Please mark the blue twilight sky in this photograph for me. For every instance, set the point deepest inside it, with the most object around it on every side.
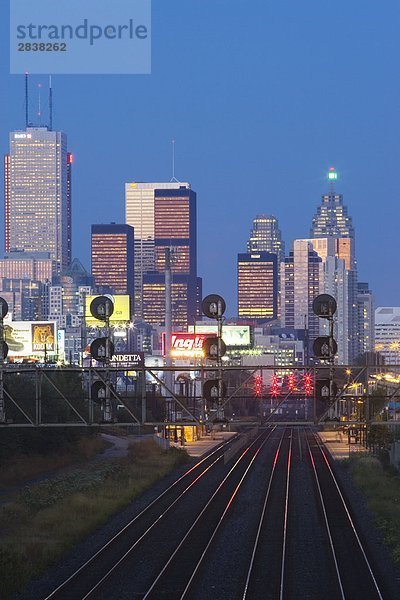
(261, 98)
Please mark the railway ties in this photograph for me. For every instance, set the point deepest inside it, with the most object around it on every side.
(184, 569)
(354, 573)
(92, 575)
(271, 523)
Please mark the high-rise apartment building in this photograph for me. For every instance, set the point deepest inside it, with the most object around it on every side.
(301, 281)
(257, 286)
(38, 194)
(163, 216)
(266, 236)
(113, 259)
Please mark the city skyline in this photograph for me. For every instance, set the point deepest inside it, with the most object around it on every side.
(303, 138)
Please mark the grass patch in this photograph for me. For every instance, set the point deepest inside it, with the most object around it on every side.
(382, 489)
(24, 468)
(49, 518)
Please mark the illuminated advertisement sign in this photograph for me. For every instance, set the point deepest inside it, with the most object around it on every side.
(186, 345)
(121, 310)
(30, 338)
(128, 360)
(43, 337)
(234, 336)
(61, 344)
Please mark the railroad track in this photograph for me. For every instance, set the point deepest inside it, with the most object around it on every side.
(169, 551)
(99, 566)
(180, 573)
(266, 571)
(355, 576)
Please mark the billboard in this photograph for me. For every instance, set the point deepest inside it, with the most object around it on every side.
(121, 310)
(234, 336)
(125, 361)
(31, 338)
(185, 345)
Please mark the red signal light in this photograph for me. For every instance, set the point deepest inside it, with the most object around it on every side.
(274, 386)
(291, 382)
(308, 384)
(258, 386)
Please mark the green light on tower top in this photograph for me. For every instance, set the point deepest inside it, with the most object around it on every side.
(332, 175)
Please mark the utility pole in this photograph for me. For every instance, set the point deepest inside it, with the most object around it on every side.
(168, 329)
(3, 354)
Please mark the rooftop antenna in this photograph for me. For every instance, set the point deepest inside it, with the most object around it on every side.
(173, 179)
(50, 105)
(39, 114)
(26, 100)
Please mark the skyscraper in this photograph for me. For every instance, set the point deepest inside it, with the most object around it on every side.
(38, 194)
(366, 319)
(333, 235)
(257, 286)
(266, 236)
(301, 280)
(70, 160)
(164, 215)
(140, 214)
(113, 259)
(332, 221)
(337, 281)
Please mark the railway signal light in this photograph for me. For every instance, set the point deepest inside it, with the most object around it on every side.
(324, 306)
(98, 349)
(258, 386)
(308, 384)
(210, 348)
(211, 390)
(325, 347)
(102, 308)
(213, 306)
(325, 389)
(291, 382)
(274, 386)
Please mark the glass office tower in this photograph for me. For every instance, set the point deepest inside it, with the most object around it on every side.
(38, 194)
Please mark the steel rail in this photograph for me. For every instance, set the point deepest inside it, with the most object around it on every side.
(328, 529)
(118, 535)
(261, 521)
(286, 517)
(351, 522)
(200, 516)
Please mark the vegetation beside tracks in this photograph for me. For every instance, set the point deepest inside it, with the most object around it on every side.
(47, 519)
(381, 486)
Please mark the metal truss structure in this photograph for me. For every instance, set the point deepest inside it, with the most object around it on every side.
(51, 396)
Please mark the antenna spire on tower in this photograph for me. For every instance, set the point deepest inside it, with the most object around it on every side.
(39, 114)
(173, 178)
(26, 100)
(50, 105)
